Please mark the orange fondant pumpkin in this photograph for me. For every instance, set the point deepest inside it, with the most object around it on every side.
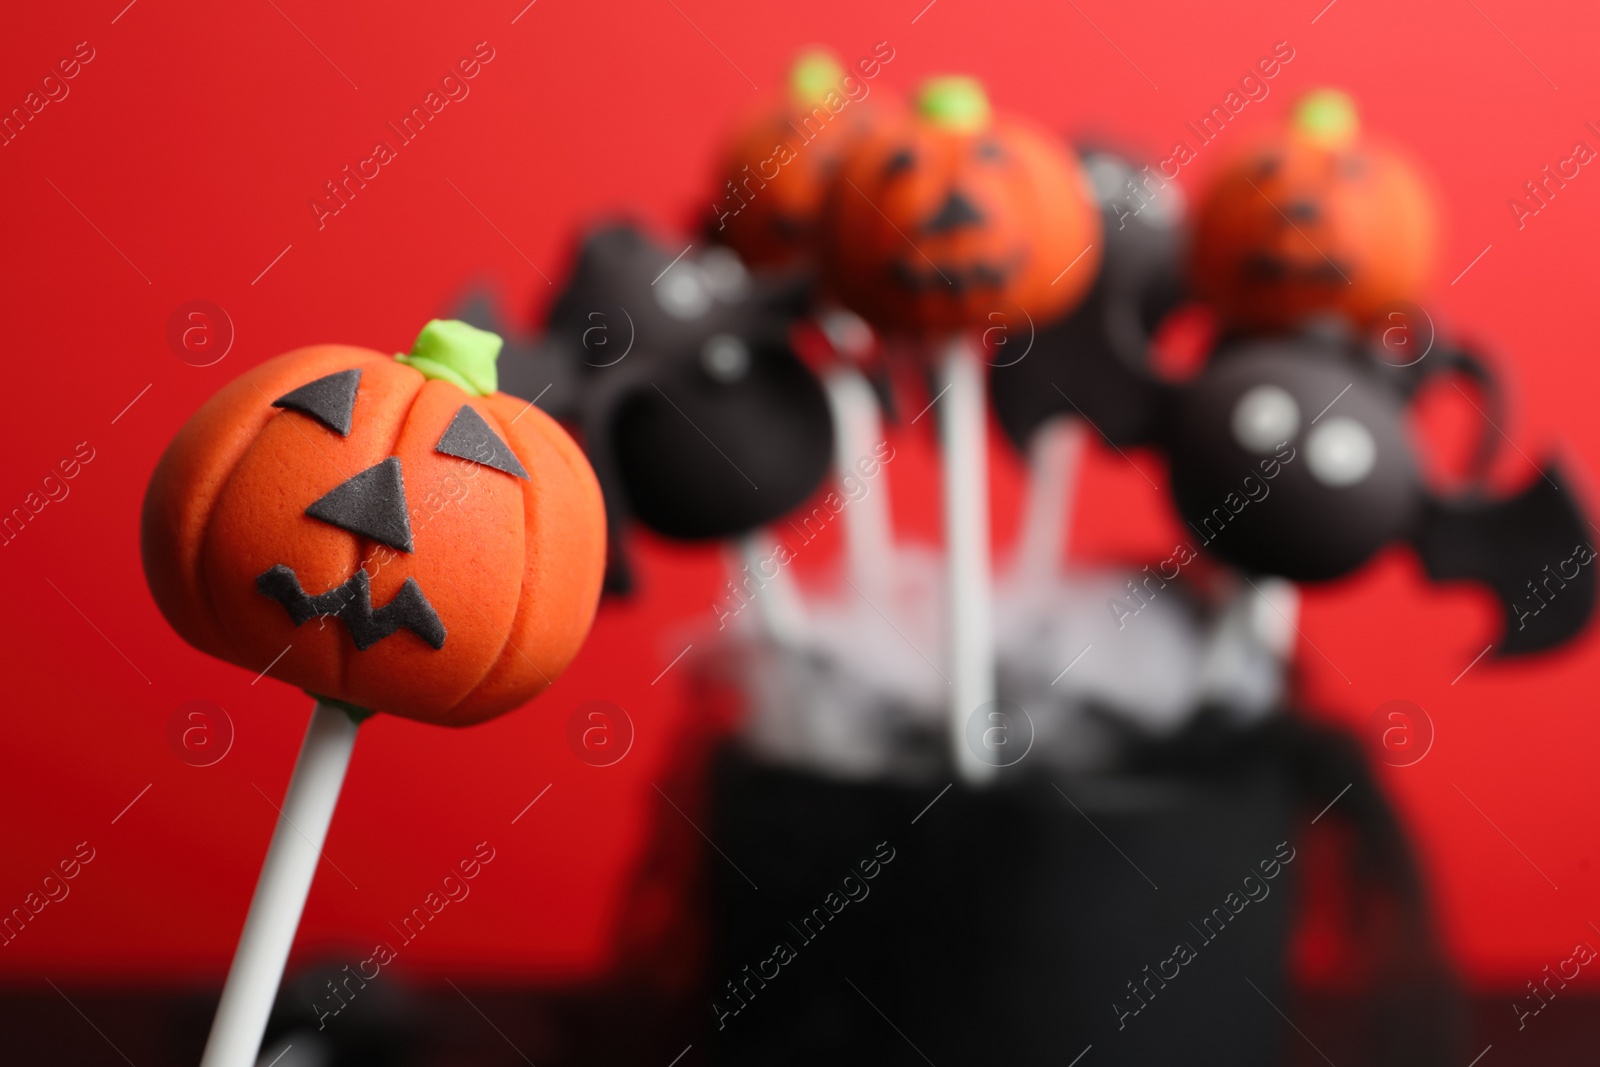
(952, 215)
(1317, 221)
(778, 163)
(388, 532)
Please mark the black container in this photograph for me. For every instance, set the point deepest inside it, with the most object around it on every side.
(1017, 924)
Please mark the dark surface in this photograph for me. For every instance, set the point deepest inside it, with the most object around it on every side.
(557, 1028)
(998, 926)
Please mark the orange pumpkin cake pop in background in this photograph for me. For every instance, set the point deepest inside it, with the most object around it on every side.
(1316, 220)
(780, 157)
(953, 212)
(409, 539)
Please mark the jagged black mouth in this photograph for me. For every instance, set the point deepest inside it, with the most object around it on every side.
(352, 602)
(949, 278)
(1264, 268)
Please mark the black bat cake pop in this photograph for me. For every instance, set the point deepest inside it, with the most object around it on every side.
(699, 418)
(627, 292)
(1087, 362)
(1290, 456)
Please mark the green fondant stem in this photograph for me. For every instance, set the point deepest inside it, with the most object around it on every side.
(462, 355)
(1327, 115)
(956, 102)
(815, 73)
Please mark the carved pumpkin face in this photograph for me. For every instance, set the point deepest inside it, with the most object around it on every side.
(1317, 221)
(777, 165)
(390, 533)
(951, 215)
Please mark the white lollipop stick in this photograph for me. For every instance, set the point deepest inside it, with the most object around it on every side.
(1257, 626)
(966, 530)
(777, 601)
(857, 432)
(1053, 457)
(281, 890)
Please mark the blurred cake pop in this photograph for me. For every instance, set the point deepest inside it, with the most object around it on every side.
(700, 420)
(948, 220)
(953, 214)
(1291, 457)
(1090, 362)
(714, 443)
(778, 161)
(1317, 220)
(776, 167)
(1087, 365)
(628, 294)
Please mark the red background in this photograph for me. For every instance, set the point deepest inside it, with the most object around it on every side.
(194, 140)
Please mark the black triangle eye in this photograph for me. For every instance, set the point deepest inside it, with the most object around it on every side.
(468, 437)
(330, 400)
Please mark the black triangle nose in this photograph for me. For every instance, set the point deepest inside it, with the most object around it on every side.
(1304, 211)
(372, 504)
(956, 211)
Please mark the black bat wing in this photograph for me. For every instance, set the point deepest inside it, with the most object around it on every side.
(1532, 549)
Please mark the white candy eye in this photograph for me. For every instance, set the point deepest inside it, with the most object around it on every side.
(725, 358)
(1341, 452)
(681, 292)
(724, 275)
(1106, 175)
(1264, 418)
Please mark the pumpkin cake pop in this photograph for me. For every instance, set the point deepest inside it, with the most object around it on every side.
(955, 212)
(447, 539)
(1317, 220)
(952, 219)
(779, 160)
(333, 479)
(776, 167)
